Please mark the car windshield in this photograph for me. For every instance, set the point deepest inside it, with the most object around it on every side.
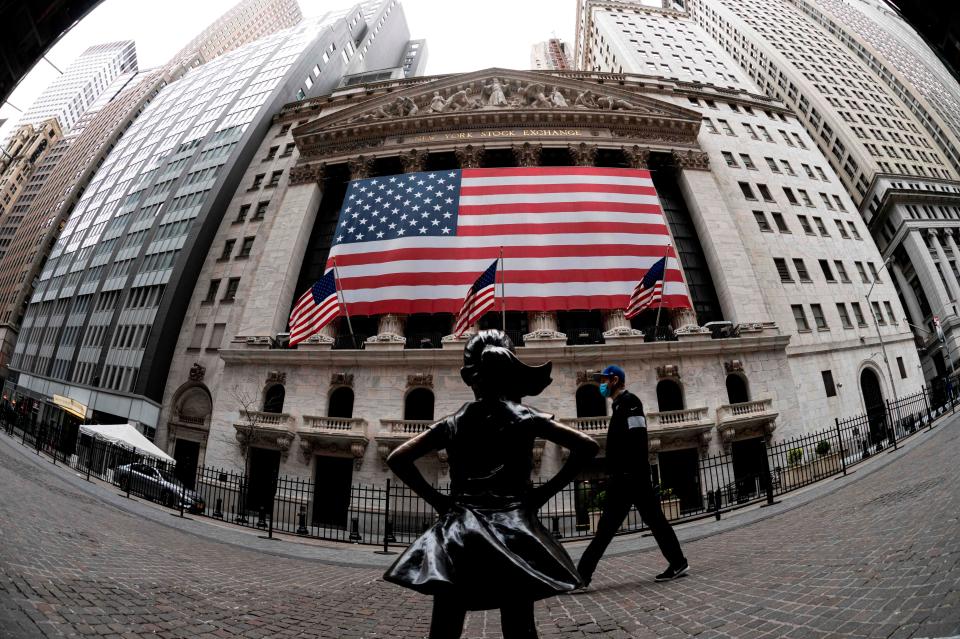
(166, 475)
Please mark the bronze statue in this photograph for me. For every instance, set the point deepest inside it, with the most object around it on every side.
(488, 549)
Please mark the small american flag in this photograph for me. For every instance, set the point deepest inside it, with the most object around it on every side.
(315, 309)
(572, 238)
(648, 291)
(479, 298)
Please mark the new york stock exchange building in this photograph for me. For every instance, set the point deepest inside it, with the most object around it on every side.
(777, 262)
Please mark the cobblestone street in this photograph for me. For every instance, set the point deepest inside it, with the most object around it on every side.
(879, 557)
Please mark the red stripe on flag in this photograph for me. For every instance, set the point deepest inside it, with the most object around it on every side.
(506, 189)
(508, 277)
(490, 252)
(555, 170)
(554, 228)
(557, 303)
(559, 207)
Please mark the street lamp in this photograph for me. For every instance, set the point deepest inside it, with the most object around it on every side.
(876, 325)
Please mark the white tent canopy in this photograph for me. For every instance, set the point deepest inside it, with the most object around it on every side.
(125, 435)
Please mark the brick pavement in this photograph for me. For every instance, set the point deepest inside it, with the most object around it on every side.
(877, 557)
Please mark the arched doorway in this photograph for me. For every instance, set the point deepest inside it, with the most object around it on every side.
(193, 407)
(418, 404)
(873, 403)
(669, 395)
(590, 403)
(341, 402)
(737, 392)
(273, 399)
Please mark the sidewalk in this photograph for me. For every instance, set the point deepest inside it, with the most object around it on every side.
(352, 555)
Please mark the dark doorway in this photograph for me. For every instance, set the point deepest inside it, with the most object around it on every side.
(418, 404)
(341, 402)
(737, 389)
(747, 468)
(873, 402)
(273, 399)
(187, 454)
(669, 395)
(264, 467)
(680, 472)
(590, 403)
(331, 491)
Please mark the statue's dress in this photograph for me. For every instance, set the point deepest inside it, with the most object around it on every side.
(489, 549)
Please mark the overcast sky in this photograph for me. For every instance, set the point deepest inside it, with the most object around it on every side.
(461, 35)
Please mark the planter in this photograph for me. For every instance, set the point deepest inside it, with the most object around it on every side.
(671, 508)
(594, 519)
(800, 474)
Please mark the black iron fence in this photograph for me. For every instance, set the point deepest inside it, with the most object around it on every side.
(392, 513)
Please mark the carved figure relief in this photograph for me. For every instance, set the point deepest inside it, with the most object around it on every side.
(197, 373)
(496, 96)
(557, 98)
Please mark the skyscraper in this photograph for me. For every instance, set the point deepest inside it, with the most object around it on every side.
(551, 55)
(109, 302)
(884, 114)
(58, 183)
(67, 97)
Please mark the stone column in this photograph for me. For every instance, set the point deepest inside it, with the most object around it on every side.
(543, 329)
(527, 154)
(583, 154)
(361, 167)
(616, 326)
(909, 297)
(413, 160)
(952, 286)
(637, 156)
(469, 156)
(952, 244)
(272, 287)
(389, 333)
(739, 289)
(926, 271)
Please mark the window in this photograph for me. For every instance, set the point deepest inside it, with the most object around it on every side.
(212, 291)
(772, 164)
(782, 269)
(862, 272)
(877, 313)
(844, 316)
(903, 369)
(747, 162)
(780, 222)
(274, 179)
(227, 250)
(818, 317)
(261, 210)
(841, 271)
(820, 227)
(842, 229)
(231, 293)
(802, 272)
(288, 149)
(729, 159)
(196, 340)
(762, 221)
(827, 273)
(787, 167)
(857, 313)
(801, 318)
(272, 153)
(750, 131)
(853, 230)
(283, 130)
(873, 272)
(726, 127)
(805, 223)
(710, 126)
(242, 214)
(747, 191)
(828, 385)
(257, 181)
(245, 248)
(889, 308)
(216, 337)
(790, 196)
(765, 192)
(805, 197)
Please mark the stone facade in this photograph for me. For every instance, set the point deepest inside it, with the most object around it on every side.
(603, 118)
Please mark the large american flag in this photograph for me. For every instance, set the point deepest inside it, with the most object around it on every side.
(314, 309)
(572, 238)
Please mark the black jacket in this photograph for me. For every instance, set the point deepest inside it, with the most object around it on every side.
(627, 448)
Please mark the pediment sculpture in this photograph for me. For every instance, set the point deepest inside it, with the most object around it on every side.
(497, 93)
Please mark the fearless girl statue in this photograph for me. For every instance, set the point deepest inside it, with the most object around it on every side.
(488, 549)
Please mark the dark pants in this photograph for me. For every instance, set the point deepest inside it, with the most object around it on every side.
(622, 492)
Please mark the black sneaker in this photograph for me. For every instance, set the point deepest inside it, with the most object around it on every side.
(673, 572)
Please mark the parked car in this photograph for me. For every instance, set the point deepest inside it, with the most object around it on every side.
(157, 485)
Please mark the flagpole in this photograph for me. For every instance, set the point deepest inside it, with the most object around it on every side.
(503, 299)
(663, 291)
(343, 302)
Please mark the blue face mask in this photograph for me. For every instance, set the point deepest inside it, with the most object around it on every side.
(605, 389)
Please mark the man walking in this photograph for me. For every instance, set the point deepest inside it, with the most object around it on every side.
(629, 481)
